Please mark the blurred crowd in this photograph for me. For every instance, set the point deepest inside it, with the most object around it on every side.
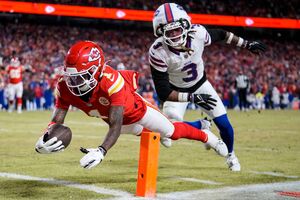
(42, 48)
(265, 8)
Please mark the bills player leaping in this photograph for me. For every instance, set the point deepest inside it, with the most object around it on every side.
(15, 84)
(178, 71)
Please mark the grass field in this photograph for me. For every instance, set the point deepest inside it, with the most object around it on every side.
(266, 142)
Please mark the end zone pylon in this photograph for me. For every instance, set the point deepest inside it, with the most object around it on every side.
(148, 164)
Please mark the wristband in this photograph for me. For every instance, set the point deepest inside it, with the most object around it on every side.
(183, 97)
(103, 150)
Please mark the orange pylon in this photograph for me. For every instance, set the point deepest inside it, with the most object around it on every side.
(148, 164)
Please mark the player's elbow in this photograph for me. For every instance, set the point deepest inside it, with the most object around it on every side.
(163, 95)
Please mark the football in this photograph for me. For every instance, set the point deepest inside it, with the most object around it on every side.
(60, 131)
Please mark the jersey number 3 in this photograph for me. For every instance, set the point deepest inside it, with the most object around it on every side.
(191, 71)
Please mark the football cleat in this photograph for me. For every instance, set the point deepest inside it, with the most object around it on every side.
(233, 162)
(206, 124)
(217, 144)
(166, 142)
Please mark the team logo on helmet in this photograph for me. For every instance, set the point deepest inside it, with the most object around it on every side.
(94, 54)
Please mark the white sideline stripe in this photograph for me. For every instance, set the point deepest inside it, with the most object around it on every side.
(91, 188)
(197, 180)
(274, 174)
(255, 191)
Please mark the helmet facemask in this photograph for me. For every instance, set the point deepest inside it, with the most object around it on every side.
(80, 83)
(175, 33)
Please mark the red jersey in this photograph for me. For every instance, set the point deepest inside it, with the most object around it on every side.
(15, 74)
(115, 88)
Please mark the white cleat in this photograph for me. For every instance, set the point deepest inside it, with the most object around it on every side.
(217, 144)
(166, 142)
(233, 162)
(205, 123)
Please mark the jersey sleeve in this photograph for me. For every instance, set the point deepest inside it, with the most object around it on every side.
(60, 102)
(114, 85)
(156, 59)
(202, 34)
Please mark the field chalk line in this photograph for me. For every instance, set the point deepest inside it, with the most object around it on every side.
(87, 187)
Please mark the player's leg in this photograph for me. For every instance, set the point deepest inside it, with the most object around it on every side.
(155, 121)
(174, 110)
(220, 118)
(11, 97)
(19, 94)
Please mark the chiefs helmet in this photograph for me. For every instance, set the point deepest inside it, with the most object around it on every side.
(15, 62)
(83, 68)
(173, 23)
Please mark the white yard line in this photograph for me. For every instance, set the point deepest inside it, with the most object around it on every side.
(255, 191)
(87, 187)
(196, 180)
(274, 174)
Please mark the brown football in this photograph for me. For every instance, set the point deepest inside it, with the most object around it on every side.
(60, 131)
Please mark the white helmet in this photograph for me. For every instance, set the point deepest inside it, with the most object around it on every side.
(173, 23)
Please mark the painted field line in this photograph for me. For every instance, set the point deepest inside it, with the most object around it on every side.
(274, 174)
(70, 184)
(254, 191)
(196, 180)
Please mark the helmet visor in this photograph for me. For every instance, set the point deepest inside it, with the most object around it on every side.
(82, 82)
(174, 34)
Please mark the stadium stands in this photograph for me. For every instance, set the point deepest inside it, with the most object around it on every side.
(43, 48)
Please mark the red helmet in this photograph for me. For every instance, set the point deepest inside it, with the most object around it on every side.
(84, 65)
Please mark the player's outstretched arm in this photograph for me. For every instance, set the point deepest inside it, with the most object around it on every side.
(94, 156)
(217, 35)
(53, 145)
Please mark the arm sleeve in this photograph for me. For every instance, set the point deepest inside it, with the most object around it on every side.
(217, 34)
(161, 82)
(60, 102)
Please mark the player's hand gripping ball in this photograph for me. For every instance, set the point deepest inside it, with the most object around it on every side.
(55, 139)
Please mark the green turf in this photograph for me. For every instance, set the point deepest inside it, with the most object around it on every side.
(269, 141)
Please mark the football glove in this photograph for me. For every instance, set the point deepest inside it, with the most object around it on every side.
(203, 100)
(256, 47)
(50, 146)
(92, 158)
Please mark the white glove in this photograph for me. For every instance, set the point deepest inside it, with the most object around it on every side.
(92, 158)
(50, 146)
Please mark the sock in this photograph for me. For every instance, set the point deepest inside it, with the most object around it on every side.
(197, 124)
(183, 130)
(226, 131)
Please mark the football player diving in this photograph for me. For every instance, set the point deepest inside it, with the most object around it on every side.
(178, 70)
(92, 86)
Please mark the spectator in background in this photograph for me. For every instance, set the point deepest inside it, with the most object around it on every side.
(259, 98)
(284, 99)
(38, 94)
(242, 85)
(276, 98)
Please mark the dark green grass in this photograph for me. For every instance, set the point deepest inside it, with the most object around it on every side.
(264, 142)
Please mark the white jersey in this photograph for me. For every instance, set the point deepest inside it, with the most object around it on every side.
(184, 69)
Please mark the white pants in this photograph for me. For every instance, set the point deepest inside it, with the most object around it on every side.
(15, 90)
(153, 120)
(176, 110)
